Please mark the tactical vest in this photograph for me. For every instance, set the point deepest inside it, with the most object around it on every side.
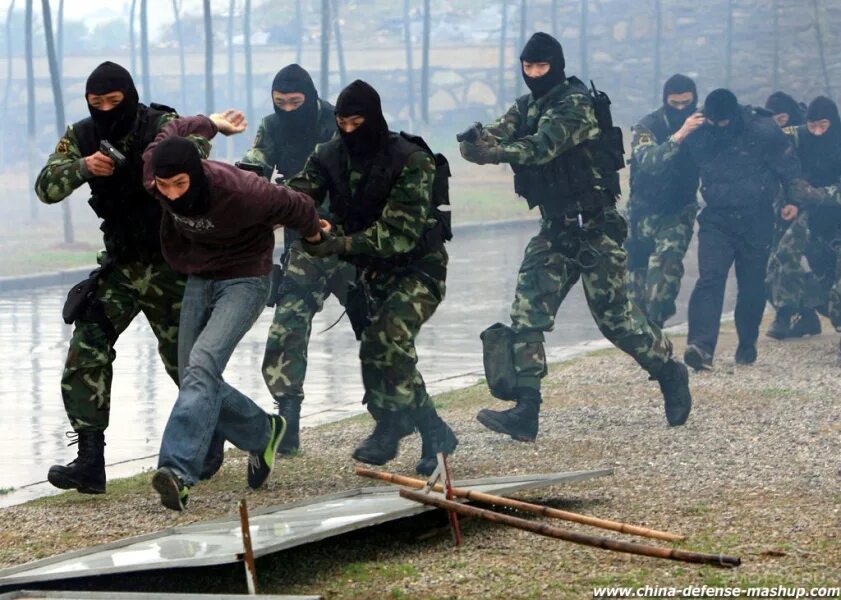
(358, 211)
(673, 189)
(568, 183)
(291, 153)
(820, 168)
(131, 218)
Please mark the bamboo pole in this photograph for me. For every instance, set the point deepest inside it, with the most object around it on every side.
(572, 536)
(526, 507)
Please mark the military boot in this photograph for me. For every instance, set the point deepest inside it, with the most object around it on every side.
(87, 473)
(289, 407)
(806, 322)
(383, 443)
(674, 384)
(436, 436)
(520, 422)
(780, 328)
(745, 354)
(697, 358)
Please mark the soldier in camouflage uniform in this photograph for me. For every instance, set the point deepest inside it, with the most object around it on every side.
(134, 277)
(565, 161)
(663, 205)
(815, 232)
(380, 186)
(284, 141)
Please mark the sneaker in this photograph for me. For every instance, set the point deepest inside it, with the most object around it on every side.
(697, 358)
(746, 354)
(260, 464)
(174, 494)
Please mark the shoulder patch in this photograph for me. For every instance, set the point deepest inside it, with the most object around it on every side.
(790, 130)
(63, 146)
(645, 138)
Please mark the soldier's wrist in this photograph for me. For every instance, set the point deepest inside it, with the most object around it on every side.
(84, 173)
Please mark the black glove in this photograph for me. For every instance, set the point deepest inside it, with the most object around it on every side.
(328, 245)
(481, 153)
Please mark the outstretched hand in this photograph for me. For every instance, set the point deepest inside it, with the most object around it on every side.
(230, 122)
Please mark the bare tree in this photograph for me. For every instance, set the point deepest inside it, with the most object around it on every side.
(503, 42)
(131, 43)
(325, 49)
(60, 39)
(179, 32)
(775, 61)
(7, 92)
(208, 57)
(249, 76)
(554, 17)
(340, 50)
(658, 41)
(410, 68)
(231, 100)
(58, 100)
(728, 46)
(584, 34)
(299, 30)
(30, 110)
(821, 51)
(144, 49)
(427, 26)
(522, 38)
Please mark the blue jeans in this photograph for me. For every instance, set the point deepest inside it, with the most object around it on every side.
(215, 315)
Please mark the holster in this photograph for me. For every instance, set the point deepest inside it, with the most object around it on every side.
(275, 285)
(82, 303)
(498, 358)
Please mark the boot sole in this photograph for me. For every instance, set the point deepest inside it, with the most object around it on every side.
(493, 424)
(369, 461)
(168, 491)
(63, 482)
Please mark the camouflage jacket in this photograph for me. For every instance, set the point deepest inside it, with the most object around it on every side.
(407, 213)
(559, 124)
(273, 150)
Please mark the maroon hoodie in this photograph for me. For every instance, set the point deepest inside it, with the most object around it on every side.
(235, 236)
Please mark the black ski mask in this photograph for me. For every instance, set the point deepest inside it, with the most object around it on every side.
(542, 47)
(823, 108)
(116, 123)
(177, 155)
(722, 105)
(780, 102)
(679, 84)
(295, 79)
(361, 99)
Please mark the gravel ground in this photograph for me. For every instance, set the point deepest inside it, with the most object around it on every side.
(754, 473)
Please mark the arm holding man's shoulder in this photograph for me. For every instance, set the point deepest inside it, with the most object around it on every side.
(278, 205)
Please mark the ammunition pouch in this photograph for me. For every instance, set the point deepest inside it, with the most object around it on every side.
(498, 358)
(82, 304)
(275, 281)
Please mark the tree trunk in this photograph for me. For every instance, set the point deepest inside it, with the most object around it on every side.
(821, 51)
(7, 92)
(182, 67)
(58, 100)
(410, 68)
(324, 75)
(775, 61)
(522, 38)
(60, 40)
(340, 50)
(658, 41)
(144, 50)
(554, 17)
(299, 28)
(30, 112)
(131, 45)
(584, 49)
(425, 91)
(231, 100)
(249, 77)
(728, 46)
(208, 58)
(503, 42)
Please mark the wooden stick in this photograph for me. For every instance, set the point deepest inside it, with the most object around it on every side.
(248, 555)
(526, 506)
(572, 536)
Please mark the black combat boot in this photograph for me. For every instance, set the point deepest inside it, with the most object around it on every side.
(289, 407)
(806, 322)
(745, 354)
(436, 436)
(674, 383)
(780, 328)
(87, 473)
(519, 422)
(382, 445)
(697, 359)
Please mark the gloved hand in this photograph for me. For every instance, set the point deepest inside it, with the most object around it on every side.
(481, 153)
(329, 245)
(800, 191)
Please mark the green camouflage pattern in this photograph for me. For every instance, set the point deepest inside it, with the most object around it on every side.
(401, 301)
(560, 124)
(656, 249)
(651, 157)
(124, 291)
(307, 283)
(548, 272)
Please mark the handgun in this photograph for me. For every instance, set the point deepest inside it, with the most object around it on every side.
(253, 167)
(471, 135)
(108, 149)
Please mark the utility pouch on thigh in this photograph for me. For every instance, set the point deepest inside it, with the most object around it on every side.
(80, 297)
(357, 308)
(274, 285)
(498, 358)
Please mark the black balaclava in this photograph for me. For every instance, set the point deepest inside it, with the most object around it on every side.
(821, 154)
(116, 123)
(295, 79)
(542, 47)
(361, 99)
(176, 155)
(679, 84)
(780, 102)
(722, 105)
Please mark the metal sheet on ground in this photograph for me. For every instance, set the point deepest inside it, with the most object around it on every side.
(272, 529)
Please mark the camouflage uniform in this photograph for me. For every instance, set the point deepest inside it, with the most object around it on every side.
(662, 209)
(581, 242)
(307, 280)
(126, 288)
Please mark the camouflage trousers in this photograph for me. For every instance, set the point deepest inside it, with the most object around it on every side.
(124, 291)
(307, 282)
(555, 259)
(656, 249)
(400, 302)
(791, 284)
